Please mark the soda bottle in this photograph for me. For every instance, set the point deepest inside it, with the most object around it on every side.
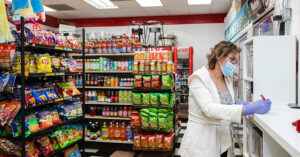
(117, 131)
(111, 112)
(120, 112)
(128, 133)
(129, 111)
(115, 112)
(129, 97)
(123, 132)
(125, 112)
(111, 131)
(93, 132)
(104, 131)
(116, 97)
(97, 125)
(121, 99)
(88, 129)
(103, 111)
(125, 96)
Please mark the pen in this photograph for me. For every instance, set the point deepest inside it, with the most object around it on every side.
(263, 97)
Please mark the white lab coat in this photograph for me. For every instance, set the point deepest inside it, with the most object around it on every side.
(208, 133)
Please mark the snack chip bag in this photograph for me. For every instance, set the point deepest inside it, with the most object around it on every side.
(147, 111)
(159, 141)
(153, 123)
(153, 110)
(6, 112)
(17, 66)
(144, 141)
(45, 119)
(137, 140)
(135, 120)
(145, 122)
(151, 141)
(64, 65)
(69, 89)
(137, 98)
(163, 124)
(10, 83)
(72, 64)
(172, 99)
(55, 64)
(16, 128)
(55, 117)
(29, 98)
(4, 78)
(72, 152)
(138, 81)
(154, 99)
(30, 149)
(15, 111)
(147, 81)
(31, 124)
(164, 99)
(32, 64)
(162, 111)
(38, 93)
(168, 142)
(170, 120)
(46, 145)
(54, 143)
(146, 99)
(78, 108)
(61, 138)
(156, 84)
(166, 82)
(43, 62)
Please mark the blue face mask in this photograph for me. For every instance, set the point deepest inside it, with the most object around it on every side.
(228, 69)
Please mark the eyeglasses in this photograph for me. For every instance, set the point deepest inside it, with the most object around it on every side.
(233, 60)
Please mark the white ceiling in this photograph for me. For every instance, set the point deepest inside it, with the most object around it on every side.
(133, 9)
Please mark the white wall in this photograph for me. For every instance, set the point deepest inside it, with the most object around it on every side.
(201, 36)
(295, 24)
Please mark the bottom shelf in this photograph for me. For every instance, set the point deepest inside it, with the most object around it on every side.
(153, 149)
(64, 149)
(100, 140)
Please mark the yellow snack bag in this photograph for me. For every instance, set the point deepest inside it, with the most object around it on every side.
(32, 64)
(17, 65)
(43, 63)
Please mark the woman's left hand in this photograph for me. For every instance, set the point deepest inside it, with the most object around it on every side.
(241, 102)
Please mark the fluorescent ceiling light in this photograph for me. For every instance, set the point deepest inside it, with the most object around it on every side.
(46, 9)
(101, 4)
(199, 2)
(150, 3)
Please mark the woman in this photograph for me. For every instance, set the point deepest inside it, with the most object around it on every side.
(211, 108)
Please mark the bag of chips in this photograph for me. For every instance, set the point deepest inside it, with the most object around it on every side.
(72, 152)
(135, 120)
(16, 128)
(30, 149)
(137, 98)
(54, 142)
(45, 119)
(168, 142)
(146, 99)
(55, 64)
(38, 93)
(159, 141)
(151, 141)
(64, 65)
(163, 124)
(166, 82)
(17, 66)
(31, 124)
(32, 64)
(137, 141)
(138, 81)
(29, 98)
(3, 81)
(6, 112)
(144, 141)
(147, 81)
(153, 110)
(15, 111)
(46, 145)
(164, 99)
(55, 117)
(153, 123)
(172, 100)
(146, 111)
(10, 83)
(145, 122)
(43, 62)
(72, 64)
(61, 138)
(77, 105)
(69, 89)
(156, 84)
(154, 99)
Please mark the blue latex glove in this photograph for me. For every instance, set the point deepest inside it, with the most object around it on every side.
(241, 102)
(259, 107)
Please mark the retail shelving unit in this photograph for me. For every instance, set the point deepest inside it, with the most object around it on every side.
(44, 48)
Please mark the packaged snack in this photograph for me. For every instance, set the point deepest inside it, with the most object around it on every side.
(15, 111)
(170, 119)
(153, 123)
(55, 64)
(5, 114)
(61, 138)
(68, 111)
(147, 81)
(54, 143)
(72, 65)
(72, 152)
(46, 145)
(135, 120)
(45, 119)
(146, 99)
(151, 141)
(137, 98)
(168, 142)
(166, 82)
(145, 111)
(78, 108)
(144, 141)
(137, 140)
(17, 66)
(43, 62)
(64, 65)
(6, 145)
(154, 99)
(145, 122)
(153, 110)
(172, 99)
(164, 99)
(30, 150)
(29, 98)
(138, 81)
(159, 141)
(38, 93)
(163, 124)
(69, 89)
(156, 84)
(31, 124)
(32, 64)
(10, 83)
(55, 117)
(16, 128)
(3, 81)
(162, 111)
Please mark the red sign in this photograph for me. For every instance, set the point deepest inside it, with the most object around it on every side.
(159, 49)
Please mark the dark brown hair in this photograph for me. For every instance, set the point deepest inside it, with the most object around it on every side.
(222, 49)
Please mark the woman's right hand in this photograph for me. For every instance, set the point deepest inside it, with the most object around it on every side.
(259, 107)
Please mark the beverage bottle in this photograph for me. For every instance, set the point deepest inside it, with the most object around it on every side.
(104, 132)
(93, 132)
(129, 111)
(117, 131)
(117, 81)
(116, 97)
(108, 81)
(129, 97)
(95, 96)
(112, 97)
(125, 112)
(121, 100)
(111, 111)
(121, 83)
(129, 47)
(104, 81)
(108, 97)
(89, 96)
(112, 80)
(99, 111)
(115, 112)
(86, 98)
(98, 129)
(88, 129)
(120, 112)
(92, 111)
(105, 96)
(111, 131)
(128, 133)
(103, 111)
(125, 97)
(123, 132)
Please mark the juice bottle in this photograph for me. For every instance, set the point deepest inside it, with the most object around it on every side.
(120, 112)
(125, 97)
(111, 112)
(117, 131)
(111, 131)
(128, 132)
(129, 97)
(115, 112)
(104, 49)
(104, 131)
(124, 48)
(121, 98)
(125, 112)
(123, 132)
(129, 47)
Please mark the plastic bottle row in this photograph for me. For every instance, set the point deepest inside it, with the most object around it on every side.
(121, 96)
(153, 67)
(105, 64)
(104, 81)
(113, 131)
(107, 111)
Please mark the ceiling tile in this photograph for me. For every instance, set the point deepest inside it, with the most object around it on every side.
(94, 13)
(135, 11)
(220, 6)
(156, 11)
(174, 3)
(126, 4)
(199, 9)
(115, 13)
(177, 10)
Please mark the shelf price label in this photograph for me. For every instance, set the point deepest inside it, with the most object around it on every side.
(67, 98)
(59, 74)
(58, 48)
(68, 49)
(59, 99)
(50, 74)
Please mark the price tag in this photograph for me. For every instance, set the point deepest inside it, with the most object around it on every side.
(68, 49)
(59, 74)
(50, 74)
(58, 48)
(67, 98)
(59, 99)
